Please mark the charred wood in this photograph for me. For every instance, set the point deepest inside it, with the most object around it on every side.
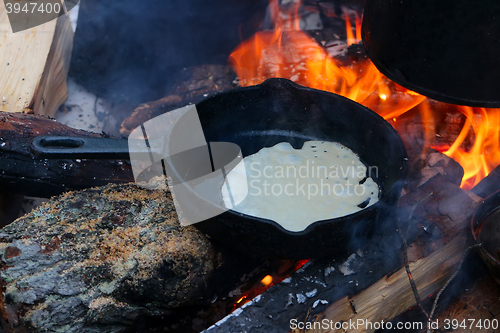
(436, 220)
(431, 163)
(195, 83)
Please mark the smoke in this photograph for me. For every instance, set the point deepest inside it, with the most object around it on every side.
(131, 51)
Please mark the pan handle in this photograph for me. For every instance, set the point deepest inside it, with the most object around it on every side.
(52, 147)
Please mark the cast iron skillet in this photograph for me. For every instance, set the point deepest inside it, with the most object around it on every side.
(279, 110)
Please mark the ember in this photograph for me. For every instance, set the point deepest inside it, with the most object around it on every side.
(267, 282)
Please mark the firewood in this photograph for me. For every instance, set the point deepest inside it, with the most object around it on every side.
(430, 163)
(436, 220)
(392, 295)
(147, 111)
(22, 172)
(99, 259)
(34, 66)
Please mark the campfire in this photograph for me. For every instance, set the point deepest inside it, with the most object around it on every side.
(126, 266)
(289, 52)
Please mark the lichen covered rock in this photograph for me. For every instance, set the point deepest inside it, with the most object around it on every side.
(98, 259)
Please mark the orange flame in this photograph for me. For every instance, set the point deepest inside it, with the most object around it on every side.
(267, 280)
(484, 155)
(288, 52)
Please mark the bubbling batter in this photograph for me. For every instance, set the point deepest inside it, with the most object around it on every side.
(296, 187)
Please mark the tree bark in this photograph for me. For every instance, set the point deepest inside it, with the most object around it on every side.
(99, 259)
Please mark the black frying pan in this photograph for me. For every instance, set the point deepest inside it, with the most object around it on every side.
(279, 110)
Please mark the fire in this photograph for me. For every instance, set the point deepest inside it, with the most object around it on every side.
(484, 155)
(288, 52)
(267, 280)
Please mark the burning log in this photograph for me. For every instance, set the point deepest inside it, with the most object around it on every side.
(434, 214)
(431, 163)
(22, 172)
(98, 259)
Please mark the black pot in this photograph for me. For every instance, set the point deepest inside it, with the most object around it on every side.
(447, 50)
(279, 110)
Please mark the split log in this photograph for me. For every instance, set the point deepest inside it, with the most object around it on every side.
(34, 66)
(24, 173)
(99, 259)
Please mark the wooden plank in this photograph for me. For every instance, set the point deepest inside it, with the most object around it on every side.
(33, 65)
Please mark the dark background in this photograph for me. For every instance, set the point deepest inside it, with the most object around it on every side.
(130, 51)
